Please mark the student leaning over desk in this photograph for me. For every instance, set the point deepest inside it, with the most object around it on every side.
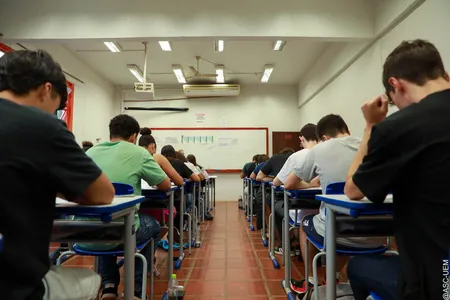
(329, 160)
(32, 88)
(125, 162)
(308, 139)
(407, 153)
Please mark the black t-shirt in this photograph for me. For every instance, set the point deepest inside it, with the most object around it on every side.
(182, 170)
(409, 153)
(38, 158)
(248, 169)
(275, 164)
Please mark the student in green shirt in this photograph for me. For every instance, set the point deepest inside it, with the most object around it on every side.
(125, 162)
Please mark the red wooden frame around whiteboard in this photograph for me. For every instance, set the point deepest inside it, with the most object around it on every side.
(220, 128)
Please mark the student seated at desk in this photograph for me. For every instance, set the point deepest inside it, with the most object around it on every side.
(262, 159)
(125, 162)
(407, 153)
(190, 165)
(147, 141)
(308, 139)
(330, 161)
(169, 152)
(249, 167)
(274, 165)
(192, 160)
(39, 159)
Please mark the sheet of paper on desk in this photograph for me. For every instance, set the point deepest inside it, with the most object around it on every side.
(146, 186)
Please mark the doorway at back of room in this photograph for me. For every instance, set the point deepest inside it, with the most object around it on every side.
(285, 139)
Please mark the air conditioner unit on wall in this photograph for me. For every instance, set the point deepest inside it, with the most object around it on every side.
(210, 90)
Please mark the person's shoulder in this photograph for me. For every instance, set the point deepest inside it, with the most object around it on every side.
(38, 119)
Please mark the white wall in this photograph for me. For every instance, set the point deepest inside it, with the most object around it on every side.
(257, 106)
(362, 80)
(95, 102)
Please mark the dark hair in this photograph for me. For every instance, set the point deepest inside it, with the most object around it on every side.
(309, 132)
(262, 158)
(287, 151)
(24, 71)
(169, 151)
(123, 126)
(181, 157)
(86, 145)
(331, 125)
(146, 138)
(415, 61)
(191, 158)
(255, 157)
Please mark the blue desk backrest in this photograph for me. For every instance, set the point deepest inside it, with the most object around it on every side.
(1, 242)
(336, 188)
(122, 189)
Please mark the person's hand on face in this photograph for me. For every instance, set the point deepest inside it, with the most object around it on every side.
(375, 110)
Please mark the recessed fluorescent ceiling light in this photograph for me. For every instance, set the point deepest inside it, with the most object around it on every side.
(165, 45)
(219, 45)
(114, 47)
(267, 72)
(136, 72)
(220, 74)
(279, 45)
(178, 70)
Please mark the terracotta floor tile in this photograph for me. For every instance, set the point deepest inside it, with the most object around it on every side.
(243, 275)
(217, 263)
(275, 288)
(209, 288)
(273, 274)
(208, 274)
(246, 288)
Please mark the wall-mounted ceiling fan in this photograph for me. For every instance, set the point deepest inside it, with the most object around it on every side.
(196, 71)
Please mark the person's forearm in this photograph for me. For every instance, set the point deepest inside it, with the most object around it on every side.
(302, 185)
(267, 179)
(362, 151)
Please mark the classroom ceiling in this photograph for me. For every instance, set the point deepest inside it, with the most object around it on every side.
(248, 28)
(243, 60)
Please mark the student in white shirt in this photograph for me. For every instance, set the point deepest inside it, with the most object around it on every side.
(308, 139)
(330, 161)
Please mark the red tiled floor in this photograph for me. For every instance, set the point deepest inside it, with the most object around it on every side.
(232, 263)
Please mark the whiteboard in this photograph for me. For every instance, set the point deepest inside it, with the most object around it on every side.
(215, 148)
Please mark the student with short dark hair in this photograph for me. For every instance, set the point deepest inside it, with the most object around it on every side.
(86, 145)
(407, 153)
(329, 160)
(125, 162)
(274, 165)
(249, 167)
(32, 89)
(308, 139)
(262, 159)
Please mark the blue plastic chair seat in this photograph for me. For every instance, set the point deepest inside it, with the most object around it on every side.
(350, 250)
(114, 252)
(375, 296)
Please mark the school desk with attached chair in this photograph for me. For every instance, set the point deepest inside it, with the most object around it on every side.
(122, 206)
(363, 209)
(212, 180)
(298, 200)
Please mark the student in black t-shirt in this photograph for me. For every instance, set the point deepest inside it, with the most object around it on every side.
(274, 165)
(249, 167)
(407, 153)
(32, 88)
(169, 152)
